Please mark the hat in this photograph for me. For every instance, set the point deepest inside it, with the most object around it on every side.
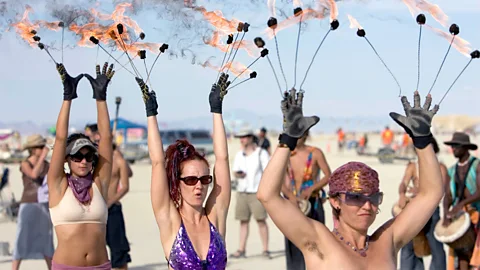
(353, 177)
(34, 141)
(462, 139)
(263, 130)
(78, 144)
(244, 133)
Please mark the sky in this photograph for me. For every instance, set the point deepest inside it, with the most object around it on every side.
(346, 80)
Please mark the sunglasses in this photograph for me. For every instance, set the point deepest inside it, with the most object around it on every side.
(78, 157)
(358, 199)
(192, 180)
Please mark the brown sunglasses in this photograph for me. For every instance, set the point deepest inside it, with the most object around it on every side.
(192, 180)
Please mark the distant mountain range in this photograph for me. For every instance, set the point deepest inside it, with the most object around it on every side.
(234, 120)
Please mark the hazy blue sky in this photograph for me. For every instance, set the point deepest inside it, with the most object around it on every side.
(346, 80)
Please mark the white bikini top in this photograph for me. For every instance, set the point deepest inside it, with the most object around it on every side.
(70, 211)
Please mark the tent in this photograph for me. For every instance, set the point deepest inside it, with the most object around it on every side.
(129, 131)
(125, 124)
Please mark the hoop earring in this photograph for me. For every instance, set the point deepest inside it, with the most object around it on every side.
(378, 211)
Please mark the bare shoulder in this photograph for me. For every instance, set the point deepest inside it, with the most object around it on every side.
(317, 152)
(384, 232)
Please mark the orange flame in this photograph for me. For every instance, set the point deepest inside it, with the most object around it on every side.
(353, 22)
(107, 34)
(459, 43)
(307, 14)
(235, 68)
(271, 8)
(24, 27)
(297, 3)
(247, 45)
(220, 23)
(332, 5)
(415, 6)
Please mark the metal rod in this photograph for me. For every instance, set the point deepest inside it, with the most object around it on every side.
(455, 81)
(441, 65)
(313, 58)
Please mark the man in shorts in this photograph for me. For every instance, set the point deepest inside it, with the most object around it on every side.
(119, 186)
(248, 167)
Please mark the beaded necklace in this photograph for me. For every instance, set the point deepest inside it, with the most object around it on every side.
(362, 252)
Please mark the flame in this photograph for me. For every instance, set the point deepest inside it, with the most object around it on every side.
(415, 6)
(307, 14)
(297, 3)
(353, 22)
(459, 43)
(220, 23)
(236, 68)
(247, 45)
(332, 5)
(108, 34)
(271, 8)
(24, 27)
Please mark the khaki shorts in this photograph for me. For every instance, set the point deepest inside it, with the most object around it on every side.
(248, 204)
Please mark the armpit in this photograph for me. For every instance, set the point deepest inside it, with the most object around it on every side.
(312, 247)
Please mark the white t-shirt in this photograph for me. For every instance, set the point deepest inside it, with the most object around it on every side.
(253, 166)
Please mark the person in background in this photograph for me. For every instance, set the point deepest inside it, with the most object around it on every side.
(263, 142)
(119, 186)
(34, 229)
(387, 137)
(340, 139)
(248, 167)
(304, 183)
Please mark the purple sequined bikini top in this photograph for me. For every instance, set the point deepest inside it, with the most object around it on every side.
(184, 257)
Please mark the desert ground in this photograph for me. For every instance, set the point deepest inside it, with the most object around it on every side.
(143, 234)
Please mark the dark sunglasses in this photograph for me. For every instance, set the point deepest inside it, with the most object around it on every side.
(192, 180)
(78, 157)
(358, 199)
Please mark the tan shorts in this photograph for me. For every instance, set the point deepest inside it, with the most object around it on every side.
(248, 204)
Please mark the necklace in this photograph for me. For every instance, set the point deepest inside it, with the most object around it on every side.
(461, 164)
(362, 252)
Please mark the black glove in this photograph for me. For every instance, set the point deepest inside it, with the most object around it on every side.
(219, 90)
(150, 98)
(295, 124)
(69, 84)
(418, 120)
(100, 83)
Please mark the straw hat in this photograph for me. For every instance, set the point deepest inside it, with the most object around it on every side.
(34, 141)
(244, 133)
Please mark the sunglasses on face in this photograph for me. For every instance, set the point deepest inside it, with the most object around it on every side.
(192, 180)
(78, 157)
(358, 199)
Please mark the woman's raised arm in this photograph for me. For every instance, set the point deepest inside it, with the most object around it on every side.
(417, 124)
(163, 206)
(56, 171)
(219, 199)
(103, 170)
(303, 230)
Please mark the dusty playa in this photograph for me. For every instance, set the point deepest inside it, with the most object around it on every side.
(142, 231)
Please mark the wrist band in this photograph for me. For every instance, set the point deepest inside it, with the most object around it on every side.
(422, 142)
(289, 141)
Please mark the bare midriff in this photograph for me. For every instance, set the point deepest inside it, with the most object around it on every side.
(81, 244)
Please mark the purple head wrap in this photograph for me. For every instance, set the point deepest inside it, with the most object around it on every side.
(353, 177)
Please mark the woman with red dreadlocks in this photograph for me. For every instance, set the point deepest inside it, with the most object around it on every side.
(355, 197)
(193, 237)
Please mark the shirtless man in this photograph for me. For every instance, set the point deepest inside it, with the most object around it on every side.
(407, 190)
(119, 186)
(306, 164)
(468, 197)
(355, 197)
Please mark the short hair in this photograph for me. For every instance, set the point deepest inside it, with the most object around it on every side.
(92, 127)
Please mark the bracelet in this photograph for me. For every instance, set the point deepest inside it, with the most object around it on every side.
(290, 142)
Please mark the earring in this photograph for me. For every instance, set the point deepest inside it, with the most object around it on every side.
(378, 211)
